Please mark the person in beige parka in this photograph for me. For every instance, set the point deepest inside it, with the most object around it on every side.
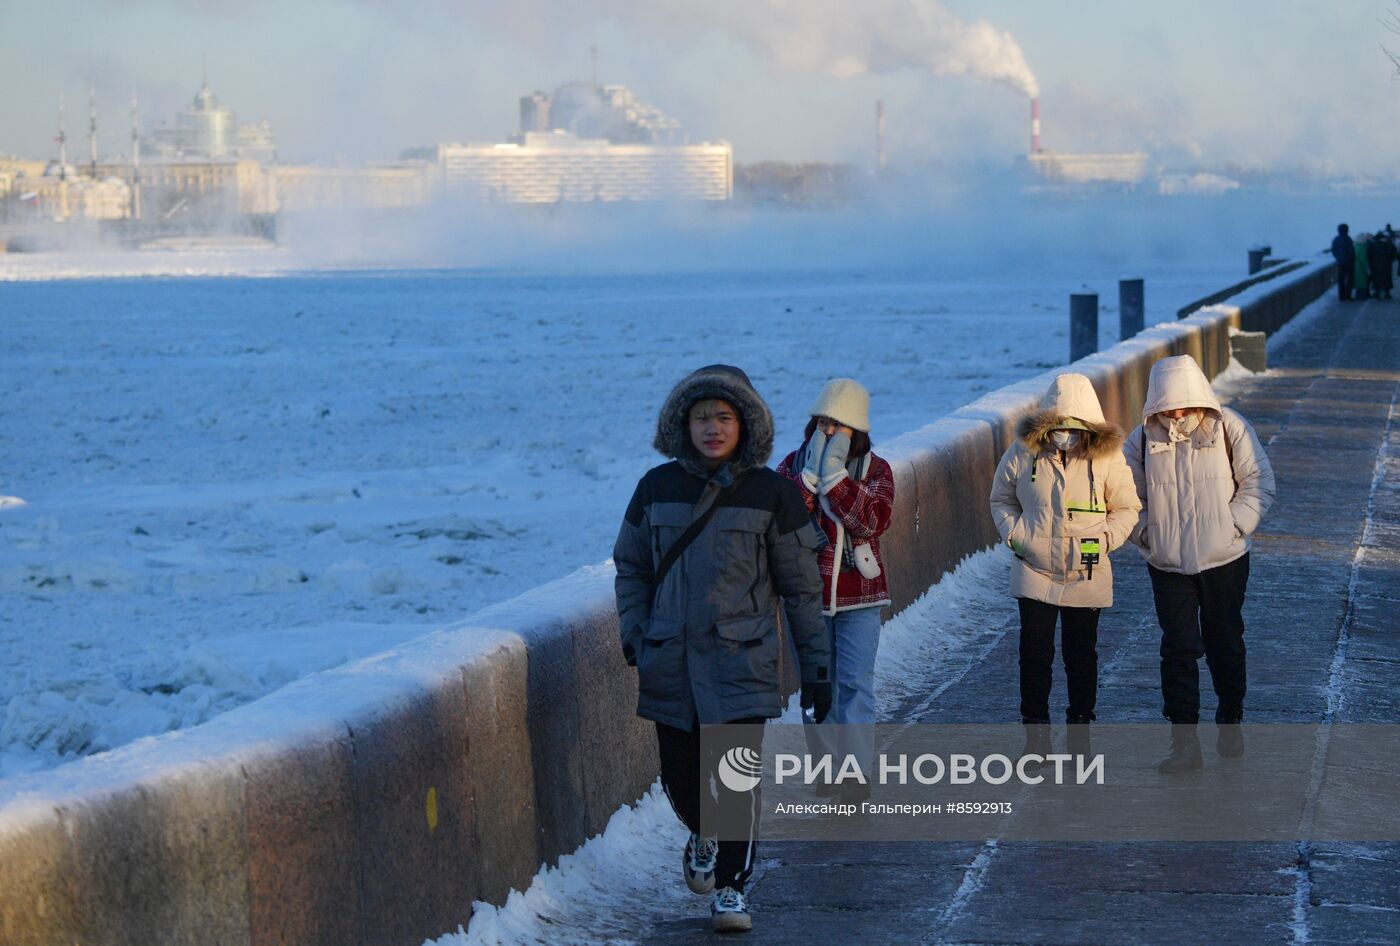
(1205, 483)
(1062, 499)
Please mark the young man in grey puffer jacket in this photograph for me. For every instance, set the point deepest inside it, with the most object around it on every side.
(704, 635)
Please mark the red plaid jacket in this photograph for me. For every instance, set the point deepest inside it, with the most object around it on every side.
(862, 511)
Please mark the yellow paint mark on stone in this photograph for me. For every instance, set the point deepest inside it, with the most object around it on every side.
(432, 810)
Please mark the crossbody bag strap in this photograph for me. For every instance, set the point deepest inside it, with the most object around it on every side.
(690, 534)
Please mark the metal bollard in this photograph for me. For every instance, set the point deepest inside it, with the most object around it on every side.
(1131, 308)
(1256, 258)
(1083, 324)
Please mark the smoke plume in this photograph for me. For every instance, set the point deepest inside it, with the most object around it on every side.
(843, 39)
(838, 38)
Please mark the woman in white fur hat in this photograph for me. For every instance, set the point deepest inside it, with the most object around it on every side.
(850, 491)
(1062, 499)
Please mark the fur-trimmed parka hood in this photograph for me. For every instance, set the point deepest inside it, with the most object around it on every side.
(1071, 396)
(727, 383)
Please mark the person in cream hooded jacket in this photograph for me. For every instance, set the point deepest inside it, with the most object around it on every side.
(1205, 483)
(1061, 486)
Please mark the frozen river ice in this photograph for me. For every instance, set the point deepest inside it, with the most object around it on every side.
(221, 484)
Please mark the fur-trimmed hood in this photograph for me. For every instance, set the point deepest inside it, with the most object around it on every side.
(727, 383)
(1071, 396)
(1100, 439)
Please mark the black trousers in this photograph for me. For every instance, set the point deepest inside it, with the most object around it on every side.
(1346, 276)
(1202, 614)
(701, 799)
(1079, 639)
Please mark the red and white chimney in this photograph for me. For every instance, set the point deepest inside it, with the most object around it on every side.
(1035, 126)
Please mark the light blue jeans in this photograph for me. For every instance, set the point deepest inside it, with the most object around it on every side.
(854, 637)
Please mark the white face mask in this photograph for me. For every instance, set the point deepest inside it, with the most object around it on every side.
(1182, 427)
(1064, 439)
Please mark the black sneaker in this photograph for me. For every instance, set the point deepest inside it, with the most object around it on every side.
(698, 863)
(729, 912)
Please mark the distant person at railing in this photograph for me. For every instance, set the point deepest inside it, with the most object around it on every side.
(1205, 483)
(1062, 499)
(1344, 252)
(710, 545)
(1362, 267)
(1380, 257)
(850, 493)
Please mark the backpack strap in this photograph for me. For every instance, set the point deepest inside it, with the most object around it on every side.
(1229, 453)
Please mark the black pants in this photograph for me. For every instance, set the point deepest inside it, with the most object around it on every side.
(1346, 276)
(1079, 639)
(1202, 614)
(686, 775)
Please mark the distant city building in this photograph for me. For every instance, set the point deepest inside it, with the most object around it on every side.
(224, 188)
(588, 142)
(256, 143)
(1128, 168)
(1123, 169)
(60, 193)
(534, 113)
(580, 143)
(811, 183)
(197, 188)
(559, 167)
(610, 112)
(318, 188)
(210, 130)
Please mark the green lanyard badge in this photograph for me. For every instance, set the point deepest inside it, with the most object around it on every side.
(1089, 554)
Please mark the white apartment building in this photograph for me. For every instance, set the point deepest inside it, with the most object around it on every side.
(556, 167)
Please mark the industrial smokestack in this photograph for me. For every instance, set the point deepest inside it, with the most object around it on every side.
(92, 129)
(135, 159)
(879, 135)
(62, 140)
(1035, 126)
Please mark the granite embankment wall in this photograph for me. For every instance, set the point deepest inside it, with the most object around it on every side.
(372, 804)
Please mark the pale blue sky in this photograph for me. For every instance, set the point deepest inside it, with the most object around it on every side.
(1278, 83)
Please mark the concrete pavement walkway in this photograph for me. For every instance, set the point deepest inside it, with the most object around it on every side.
(1323, 620)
